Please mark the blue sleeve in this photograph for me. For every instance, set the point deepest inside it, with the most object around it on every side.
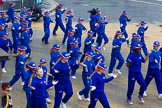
(109, 79)
(129, 58)
(143, 60)
(151, 58)
(94, 80)
(146, 28)
(62, 11)
(103, 59)
(114, 42)
(34, 83)
(128, 19)
(123, 40)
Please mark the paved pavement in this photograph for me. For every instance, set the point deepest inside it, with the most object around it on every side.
(116, 90)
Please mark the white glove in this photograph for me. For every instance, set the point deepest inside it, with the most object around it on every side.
(115, 75)
(93, 88)
(54, 82)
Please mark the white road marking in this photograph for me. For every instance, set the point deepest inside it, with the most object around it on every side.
(139, 1)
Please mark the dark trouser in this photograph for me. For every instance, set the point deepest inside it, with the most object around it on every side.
(46, 34)
(56, 27)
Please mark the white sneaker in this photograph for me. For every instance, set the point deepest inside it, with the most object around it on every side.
(104, 48)
(160, 96)
(110, 74)
(79, 96)
(63, 105)
(48, 100)
(141, 99)
(117, 70)
(87, 99)
(145, 93)
(73, 77)
(93, 45)
(4, 70)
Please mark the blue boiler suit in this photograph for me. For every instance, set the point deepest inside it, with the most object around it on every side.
(135, 73)
(161, 58)
(98, 80)
(19, 69)
(72, 60)
(16, 28)
(154, 71)
(85, 77)
(47, 20)
(58, 21)
(87, 47)
(69, 42)
(3, 21)
(69, 21)
(116, 54)
(141, 31)
(101, 34)
(29, 19)
(63, 85)
(10, 14)
(123, 23)
(38, 96)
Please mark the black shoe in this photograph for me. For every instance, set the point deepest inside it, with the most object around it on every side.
(42, 39)
(29, 58)
(47, 43)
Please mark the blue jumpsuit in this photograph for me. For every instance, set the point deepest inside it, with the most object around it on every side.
(47, 20)
(27, 75)
(85, 77)
(10, 14)
(69, 42)
(24, 40)
(161, 58)
(5, 45)
(54, 58)
(141, 32)
(3, 21)
(19, 69)
(135, 73)
(116, 54)
(69, 21)
(72, 60)
(38, 96)
(154, 71)
(16, 28)
(63, 85)
(58, 21)
(101, 34)
(87, 47)
(123, 23)
(29, 19)
(78, 33)
(98, 80)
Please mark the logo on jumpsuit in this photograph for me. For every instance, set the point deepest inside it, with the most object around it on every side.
(103, 77)
(133, 78)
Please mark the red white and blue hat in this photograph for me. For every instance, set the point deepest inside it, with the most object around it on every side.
(42, 60)
(124, 12)
(90, 54)
(32, 65)
(56, 46)
(98, 9)
(6, 34)
(98, 48)
(80, 19)
(137, 36)
(2, 13)
(29, 12)
(90, 32)
(59, 6)
(22, 48)
(16, 18)
(11, 3)
(118, 32)
(25, 28)
(102, 66)
(138, 46)
(25, 22)
(71, 31)
(142, 22)
(134, 34)
(65, 55)
(47, 13)
(156, 43)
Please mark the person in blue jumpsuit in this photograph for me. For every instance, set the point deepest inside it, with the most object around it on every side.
(62, 75)
(31, 67)
(98, 57)
(88, 69)
(39, 86)
(58, 19)
(153, 70)
(134, 63)
(25, 40)
(2, 31)
(47, 20)
(3, 20)
(141, 31)
(19, 66)
(135, 41)
(10, 12)
(30, 20)
(6, 45)
(68, 21)
(161, 59)
(74, 60)
(70, 39)
(78, 31)
(54, 58)
(23, 11)
(16, 28)
(87, 45)
(100, 26)
(97, 87)
(116, 54)
(42, 64)
(123, 24)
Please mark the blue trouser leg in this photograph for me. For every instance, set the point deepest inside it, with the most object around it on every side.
(131, 83)
(112, 62)
(4, 62)
(87, 84)
(105, 38)
(55, 28)
(38, 103)
(47, 94)
(144, 48)
(99, 40)
(103, 99)
(15, 77)
(82, 58)
(47, 34)
(65, 36)
(121, 61)
(94, 99)
(28, 50)
(141, 82)
(123, 30)
(62, 27)
(68, 92)
(74, 67)
(31, 32)
(28, 96)
(16, 44)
